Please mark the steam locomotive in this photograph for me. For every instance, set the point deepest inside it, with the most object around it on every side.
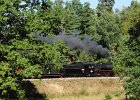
(80, 69)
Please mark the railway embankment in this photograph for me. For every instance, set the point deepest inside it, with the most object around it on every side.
(98, 88)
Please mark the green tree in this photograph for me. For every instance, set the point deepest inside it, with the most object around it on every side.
(88, 20)
(77, 6)
(130, 27)
(110, 28)
(72, 20)
(105, 5)
(21, 54)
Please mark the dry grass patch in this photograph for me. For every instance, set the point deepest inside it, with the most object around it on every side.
(80, 88)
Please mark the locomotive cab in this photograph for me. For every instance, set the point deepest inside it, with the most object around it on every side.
(74, 69)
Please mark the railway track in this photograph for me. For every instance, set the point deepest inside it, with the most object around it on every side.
(74, 78)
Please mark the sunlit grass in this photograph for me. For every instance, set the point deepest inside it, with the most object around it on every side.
(81, 89)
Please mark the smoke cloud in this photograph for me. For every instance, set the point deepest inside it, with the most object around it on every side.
(75, 42)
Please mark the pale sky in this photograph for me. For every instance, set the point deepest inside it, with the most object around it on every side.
(118, 3)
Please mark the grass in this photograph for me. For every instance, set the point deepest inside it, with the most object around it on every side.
(88, 97)
(81, 89)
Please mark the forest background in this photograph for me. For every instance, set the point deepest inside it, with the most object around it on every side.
(22, 22)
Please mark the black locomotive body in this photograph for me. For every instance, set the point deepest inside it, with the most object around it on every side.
(80, 69)
(74, 69)
(86, 70)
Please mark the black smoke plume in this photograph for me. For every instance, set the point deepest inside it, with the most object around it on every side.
(75, 42)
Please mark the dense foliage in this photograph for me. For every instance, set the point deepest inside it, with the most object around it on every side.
(23, 55)
(131, 28)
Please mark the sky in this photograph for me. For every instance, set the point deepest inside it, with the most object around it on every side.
(118, 3)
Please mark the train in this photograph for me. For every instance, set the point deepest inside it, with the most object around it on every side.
(80, 69)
